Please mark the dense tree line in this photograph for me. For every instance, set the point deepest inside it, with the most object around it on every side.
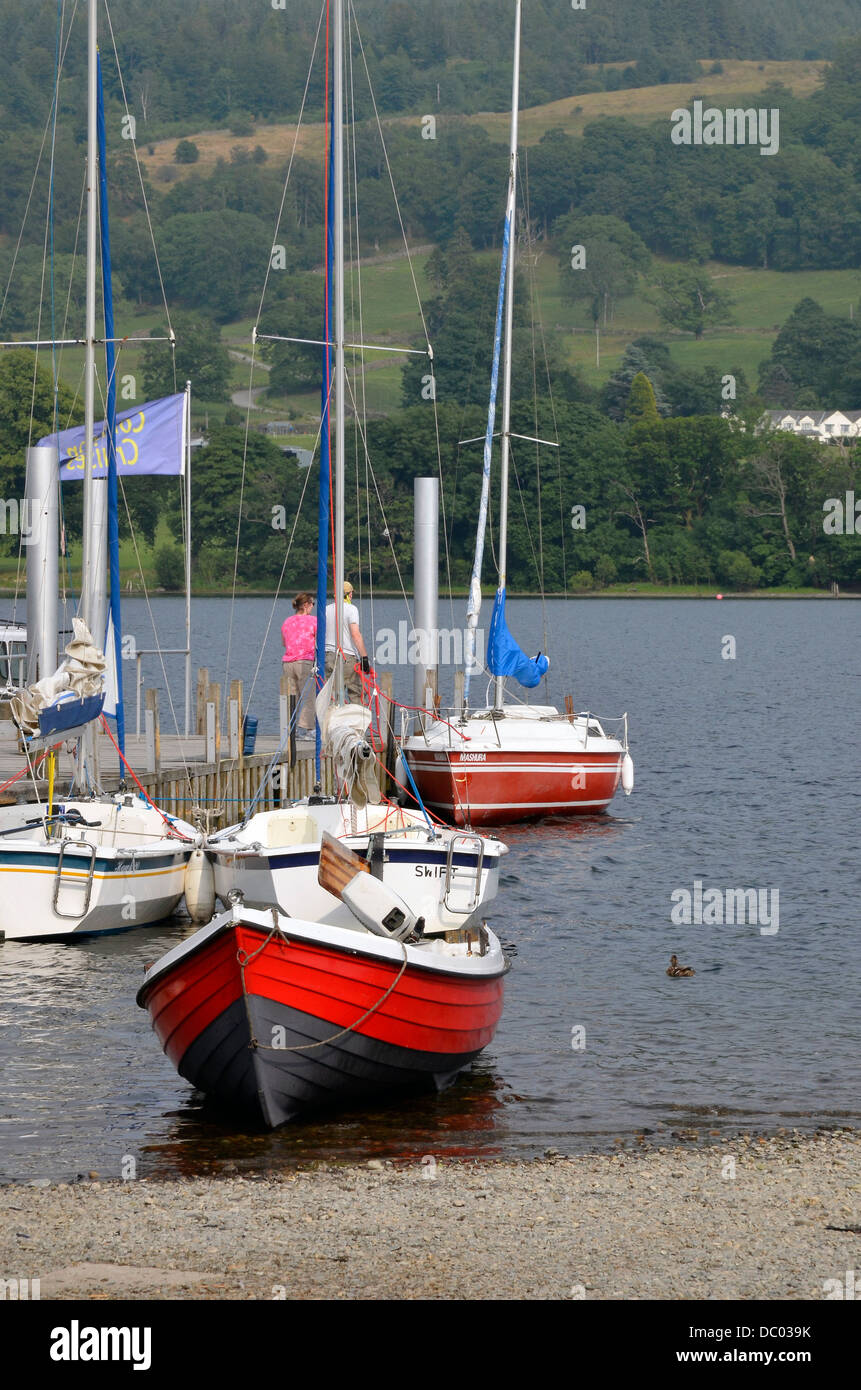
(206, 60)
(682, 500)
(669, 499)
(669, 490)
(800, 209)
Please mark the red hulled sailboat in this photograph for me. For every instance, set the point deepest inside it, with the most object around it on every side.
(276, 1016)
(511, 761)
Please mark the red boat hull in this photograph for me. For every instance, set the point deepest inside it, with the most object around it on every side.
(247, 1043)
(505, 787)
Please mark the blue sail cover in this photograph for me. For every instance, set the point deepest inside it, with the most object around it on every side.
(504, 657)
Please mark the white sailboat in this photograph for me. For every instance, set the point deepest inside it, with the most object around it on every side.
(87, 863)
(503, 762)
(334, 975)
(446, 876)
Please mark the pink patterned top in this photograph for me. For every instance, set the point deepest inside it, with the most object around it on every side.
(299, 634)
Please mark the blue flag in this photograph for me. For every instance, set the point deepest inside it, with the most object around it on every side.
(504, 657)
(150, 439)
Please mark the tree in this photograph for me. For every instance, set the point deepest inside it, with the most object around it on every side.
(816, 351)
(270, 509)
(186, 152)
(646, 355)
(169, 567)
(687, 298)
(460, 322)
(784, 482)
(27, 413)
(297, 311)
(199, 357)
(214, 261)
(607, 266)
(641, 401)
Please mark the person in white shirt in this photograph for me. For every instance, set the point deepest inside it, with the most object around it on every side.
(353, 650)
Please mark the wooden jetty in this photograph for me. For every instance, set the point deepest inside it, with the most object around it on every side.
(206, 777)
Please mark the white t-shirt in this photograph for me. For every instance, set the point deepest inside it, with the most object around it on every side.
(351, 615)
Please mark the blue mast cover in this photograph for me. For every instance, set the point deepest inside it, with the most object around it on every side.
(504, 657)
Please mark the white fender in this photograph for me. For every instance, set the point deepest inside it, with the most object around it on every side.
(199, 887)
(627, 774)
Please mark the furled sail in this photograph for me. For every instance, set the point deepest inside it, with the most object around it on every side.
(505, 657)
(74, 695)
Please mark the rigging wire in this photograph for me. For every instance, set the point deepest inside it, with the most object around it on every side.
(531, 264)
(324, 10)
(139, 170)
(277, 595)
(368, 464)
(418, 300)
(359, 337)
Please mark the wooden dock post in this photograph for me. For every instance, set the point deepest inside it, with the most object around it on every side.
(153, 734)
(458, 691)
(233, 790)
(213, 730)
(234, 720)
(202, 687)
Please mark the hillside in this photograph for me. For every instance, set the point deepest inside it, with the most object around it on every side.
(740, 82)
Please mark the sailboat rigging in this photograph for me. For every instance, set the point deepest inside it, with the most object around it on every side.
(353, 959)
(511, 762)
(92, 863)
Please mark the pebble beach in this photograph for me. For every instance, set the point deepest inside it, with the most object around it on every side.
(758, 1217)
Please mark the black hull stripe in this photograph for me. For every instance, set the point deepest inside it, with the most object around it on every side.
(303, 859)
(280, 1085)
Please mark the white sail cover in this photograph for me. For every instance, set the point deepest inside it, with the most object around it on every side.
(78, 677)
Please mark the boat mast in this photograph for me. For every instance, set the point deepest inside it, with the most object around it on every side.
(340, 379)
(511, 209)
(92, 606)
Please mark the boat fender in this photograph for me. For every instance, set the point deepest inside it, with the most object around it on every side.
(627, 774)
(199, 887)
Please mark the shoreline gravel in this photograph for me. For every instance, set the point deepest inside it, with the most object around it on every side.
(669, 1223)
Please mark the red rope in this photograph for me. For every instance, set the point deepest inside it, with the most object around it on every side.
(22, 773)
(144, 793)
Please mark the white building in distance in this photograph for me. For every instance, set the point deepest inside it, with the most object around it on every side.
(826, 426)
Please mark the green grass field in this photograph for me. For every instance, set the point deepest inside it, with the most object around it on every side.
(763, 301)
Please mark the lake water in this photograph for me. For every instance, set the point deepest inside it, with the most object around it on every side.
(747, 777)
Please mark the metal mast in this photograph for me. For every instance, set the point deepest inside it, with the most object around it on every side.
(92, 607)
(340, 378)
(511, 211)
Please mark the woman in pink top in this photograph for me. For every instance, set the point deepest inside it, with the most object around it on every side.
(299, 635)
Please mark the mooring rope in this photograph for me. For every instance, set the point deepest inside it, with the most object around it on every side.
(244, 960)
